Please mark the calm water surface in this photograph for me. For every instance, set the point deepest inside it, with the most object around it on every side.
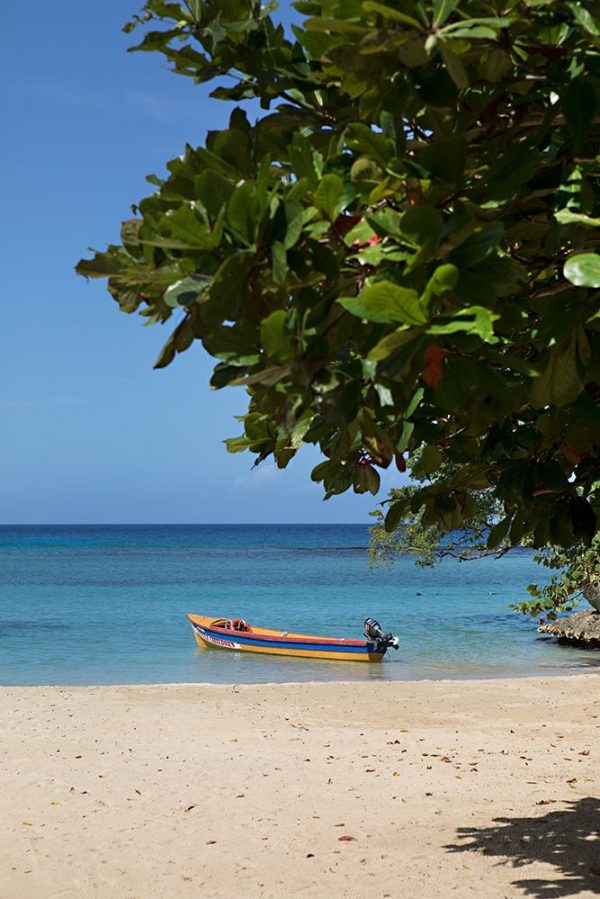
(107, 604)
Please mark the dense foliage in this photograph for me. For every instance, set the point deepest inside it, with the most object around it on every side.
(399, 253)
(577, 575)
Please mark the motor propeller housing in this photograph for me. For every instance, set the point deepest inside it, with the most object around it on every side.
(374, 631)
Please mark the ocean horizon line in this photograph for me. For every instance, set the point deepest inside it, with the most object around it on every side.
(166, 524)
(163, 524)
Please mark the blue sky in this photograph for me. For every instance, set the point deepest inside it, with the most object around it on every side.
(91, 433)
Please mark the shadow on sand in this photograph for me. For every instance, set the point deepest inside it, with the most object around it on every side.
(567, 838)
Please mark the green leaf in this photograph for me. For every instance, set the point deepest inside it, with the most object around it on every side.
(478, 391)
(405, 437)
(360, 234)
(275, 337)
(579, 105)
(386, 303)
(421, 224)
(455, 67)
(320, 470)
(414, 402)
(560, 382)
(243, 212)
(365, 142)
(394, 14)
(102, 265)
(328, 196)
(385, 222)
(472, 320)
(480, 27)
(295, 217)
(230, 280)
(430, 461)
(475, 32)
(266, 377)
(396, 513)
(366, 479)
(442, 10)
(257, 426)
(365, 173)
(307, 162)
(390, 343)
(478, 245)
(568, 217)
(187, 291)
(186, 226)
(213, 191)
(335, 26)
(498, 533)
(445, 158)
(442, 282)
(179, 341)
(496, 65)
(583, 270)
(297, 436)
(237, 444)
(279, 264)
(584, 18)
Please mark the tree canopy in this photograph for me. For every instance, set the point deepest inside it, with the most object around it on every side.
(398, 254)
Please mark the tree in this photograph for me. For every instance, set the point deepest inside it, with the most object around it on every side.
(578, 576)
(577, 567)
(429, 543)
(399, 254)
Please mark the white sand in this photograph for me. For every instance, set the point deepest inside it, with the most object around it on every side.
(481, 788)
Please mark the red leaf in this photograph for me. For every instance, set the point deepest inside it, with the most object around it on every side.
(401, 466)
(345, 223)
(433, 370)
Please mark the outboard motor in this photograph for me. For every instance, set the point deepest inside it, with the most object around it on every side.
(374, 632)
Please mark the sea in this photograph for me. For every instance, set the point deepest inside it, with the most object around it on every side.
(107, 604)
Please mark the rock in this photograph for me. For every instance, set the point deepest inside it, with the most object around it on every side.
(582, 629)
(591, 591)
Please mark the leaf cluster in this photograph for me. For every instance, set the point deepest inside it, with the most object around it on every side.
(399, 254)
(577, 577)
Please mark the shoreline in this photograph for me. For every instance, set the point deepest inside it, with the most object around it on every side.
(564, 672)
(345, 789)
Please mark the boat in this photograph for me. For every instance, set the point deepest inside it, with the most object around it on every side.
(236, 634)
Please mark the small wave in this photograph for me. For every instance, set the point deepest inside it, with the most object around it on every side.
(17, 627)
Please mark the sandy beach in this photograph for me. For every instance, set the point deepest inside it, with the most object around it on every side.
(475, 788)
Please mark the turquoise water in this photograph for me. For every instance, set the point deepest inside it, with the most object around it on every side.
(107, 604)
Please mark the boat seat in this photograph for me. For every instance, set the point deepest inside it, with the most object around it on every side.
(238, 624)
